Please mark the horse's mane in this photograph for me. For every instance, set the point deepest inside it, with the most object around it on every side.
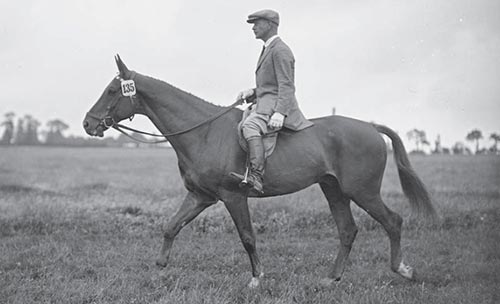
(188, 95)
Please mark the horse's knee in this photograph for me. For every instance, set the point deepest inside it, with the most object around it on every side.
(172, 230)
(348, 235)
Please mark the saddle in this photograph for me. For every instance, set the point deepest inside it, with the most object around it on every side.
(268, 139)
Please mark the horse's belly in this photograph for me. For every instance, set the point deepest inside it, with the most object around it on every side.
(290, 173)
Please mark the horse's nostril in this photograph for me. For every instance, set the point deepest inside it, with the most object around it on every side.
(85, 124)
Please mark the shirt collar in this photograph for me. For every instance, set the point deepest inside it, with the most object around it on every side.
(268, 42)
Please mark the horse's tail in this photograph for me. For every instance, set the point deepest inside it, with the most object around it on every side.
(413, 188)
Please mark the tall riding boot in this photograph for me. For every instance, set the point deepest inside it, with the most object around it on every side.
(257, 160)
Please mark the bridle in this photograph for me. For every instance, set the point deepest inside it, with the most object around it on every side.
(107, 121)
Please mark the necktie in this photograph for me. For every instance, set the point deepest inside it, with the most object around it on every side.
(262, 52)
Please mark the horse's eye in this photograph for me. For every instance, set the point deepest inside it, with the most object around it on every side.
(112, 91)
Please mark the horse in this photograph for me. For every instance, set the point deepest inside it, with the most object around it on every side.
(345, 156)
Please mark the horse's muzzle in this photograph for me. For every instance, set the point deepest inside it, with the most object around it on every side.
(93, 129)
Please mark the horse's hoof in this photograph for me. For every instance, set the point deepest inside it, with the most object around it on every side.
(162, 262)
(254, 283)
(406, 271)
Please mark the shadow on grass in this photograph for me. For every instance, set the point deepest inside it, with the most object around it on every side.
(25, 190)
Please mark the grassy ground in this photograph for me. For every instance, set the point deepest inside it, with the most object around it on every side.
(84, 226)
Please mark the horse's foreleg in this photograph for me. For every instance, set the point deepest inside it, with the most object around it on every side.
(237, 205)
(192, 205)
(347, 230)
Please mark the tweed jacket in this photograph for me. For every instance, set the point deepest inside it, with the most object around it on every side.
(275, 91)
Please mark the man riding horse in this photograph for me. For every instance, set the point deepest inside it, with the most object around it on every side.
(345, 156)
(275, 103)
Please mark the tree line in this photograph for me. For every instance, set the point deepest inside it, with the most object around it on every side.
(28, 131)
(420, 139)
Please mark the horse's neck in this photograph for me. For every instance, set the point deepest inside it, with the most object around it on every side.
(172, 110)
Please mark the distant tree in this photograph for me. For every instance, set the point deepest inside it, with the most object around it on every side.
(20, 135)
(9, 115)
(419, 137)
(31, 130)
(55, 133)
(475, 135)
(459, 149)
(8, 133)
(27, 131)
(437, 145)
(57, 126)
(496, 138)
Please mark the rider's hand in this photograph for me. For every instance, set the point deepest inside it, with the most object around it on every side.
(276, 121)
(245, 94)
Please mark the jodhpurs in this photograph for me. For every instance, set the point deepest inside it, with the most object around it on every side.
(255, 125)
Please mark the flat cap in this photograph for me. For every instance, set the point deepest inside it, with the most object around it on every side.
(266, 14)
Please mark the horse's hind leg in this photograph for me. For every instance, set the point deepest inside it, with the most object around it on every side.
(341, 211)
(391, 222)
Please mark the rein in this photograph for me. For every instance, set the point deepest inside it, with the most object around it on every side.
(119, 127)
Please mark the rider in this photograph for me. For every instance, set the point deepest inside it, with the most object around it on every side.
(276, 105)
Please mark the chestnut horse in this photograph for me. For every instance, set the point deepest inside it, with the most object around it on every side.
(347, 157)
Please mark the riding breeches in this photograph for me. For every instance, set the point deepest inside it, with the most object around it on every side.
(255, 125)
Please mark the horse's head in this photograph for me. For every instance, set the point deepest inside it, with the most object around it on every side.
(117, 102)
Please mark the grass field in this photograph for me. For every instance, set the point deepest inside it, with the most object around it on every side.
(84, 226)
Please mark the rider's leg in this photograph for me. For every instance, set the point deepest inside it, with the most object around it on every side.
(257, 161)
(255, 125)
(253, 128)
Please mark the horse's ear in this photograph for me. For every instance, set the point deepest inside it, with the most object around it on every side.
(122, 68)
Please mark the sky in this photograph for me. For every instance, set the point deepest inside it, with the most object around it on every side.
(433, 65)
